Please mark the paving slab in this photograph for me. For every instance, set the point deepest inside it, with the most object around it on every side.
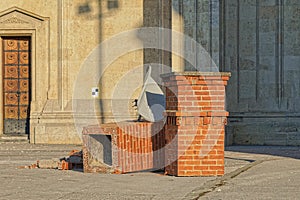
(273, 179)
(56, 184)
(250, 173)
(275, 176)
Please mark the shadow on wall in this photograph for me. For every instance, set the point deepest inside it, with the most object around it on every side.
(86, 9)
(200, 21)
(157, 13)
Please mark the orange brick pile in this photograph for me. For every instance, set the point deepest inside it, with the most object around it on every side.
(73, 161)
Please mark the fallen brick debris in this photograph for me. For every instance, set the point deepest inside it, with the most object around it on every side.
(73, 162)
(33, 166)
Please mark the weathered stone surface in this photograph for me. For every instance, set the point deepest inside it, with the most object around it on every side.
(59, 52)
(257, 41)
(262, 52)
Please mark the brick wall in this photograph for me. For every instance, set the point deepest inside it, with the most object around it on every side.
(140, 146)
(195, 123)
(135, 146)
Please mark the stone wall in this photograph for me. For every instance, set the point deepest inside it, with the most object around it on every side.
(198, 21)
(262, 53)
(257, 41)
(63, 34)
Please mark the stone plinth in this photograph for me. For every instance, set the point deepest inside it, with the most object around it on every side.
(194, 132)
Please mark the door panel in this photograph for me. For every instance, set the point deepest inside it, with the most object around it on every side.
(16, 84)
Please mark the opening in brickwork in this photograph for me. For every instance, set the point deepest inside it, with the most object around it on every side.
(101, 148)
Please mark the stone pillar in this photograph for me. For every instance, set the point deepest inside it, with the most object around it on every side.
(194, 131)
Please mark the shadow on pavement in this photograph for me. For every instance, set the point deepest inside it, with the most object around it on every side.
(281, 151)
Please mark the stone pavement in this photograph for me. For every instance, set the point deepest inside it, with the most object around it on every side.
(251, 173)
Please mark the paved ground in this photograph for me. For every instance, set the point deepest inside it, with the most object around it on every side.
(274, 175)
(251, 173)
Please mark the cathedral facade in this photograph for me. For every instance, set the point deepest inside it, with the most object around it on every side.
(70, 63)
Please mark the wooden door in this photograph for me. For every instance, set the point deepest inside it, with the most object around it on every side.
(16, 84)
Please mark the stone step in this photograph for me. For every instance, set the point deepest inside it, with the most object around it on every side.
(21, 138)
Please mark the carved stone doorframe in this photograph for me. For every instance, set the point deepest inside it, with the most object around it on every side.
(16, 22)
(4, 34)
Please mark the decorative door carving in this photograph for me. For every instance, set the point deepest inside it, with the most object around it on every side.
(16, 85)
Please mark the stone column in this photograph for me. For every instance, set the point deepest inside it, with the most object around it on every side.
(194, 131)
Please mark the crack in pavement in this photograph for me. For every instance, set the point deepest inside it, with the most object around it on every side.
(210, 186)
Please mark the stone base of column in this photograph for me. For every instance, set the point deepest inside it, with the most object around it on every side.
(194, 131)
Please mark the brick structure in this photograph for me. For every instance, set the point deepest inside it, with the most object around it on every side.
(195, 123)
(190, 143)
(123, 147)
